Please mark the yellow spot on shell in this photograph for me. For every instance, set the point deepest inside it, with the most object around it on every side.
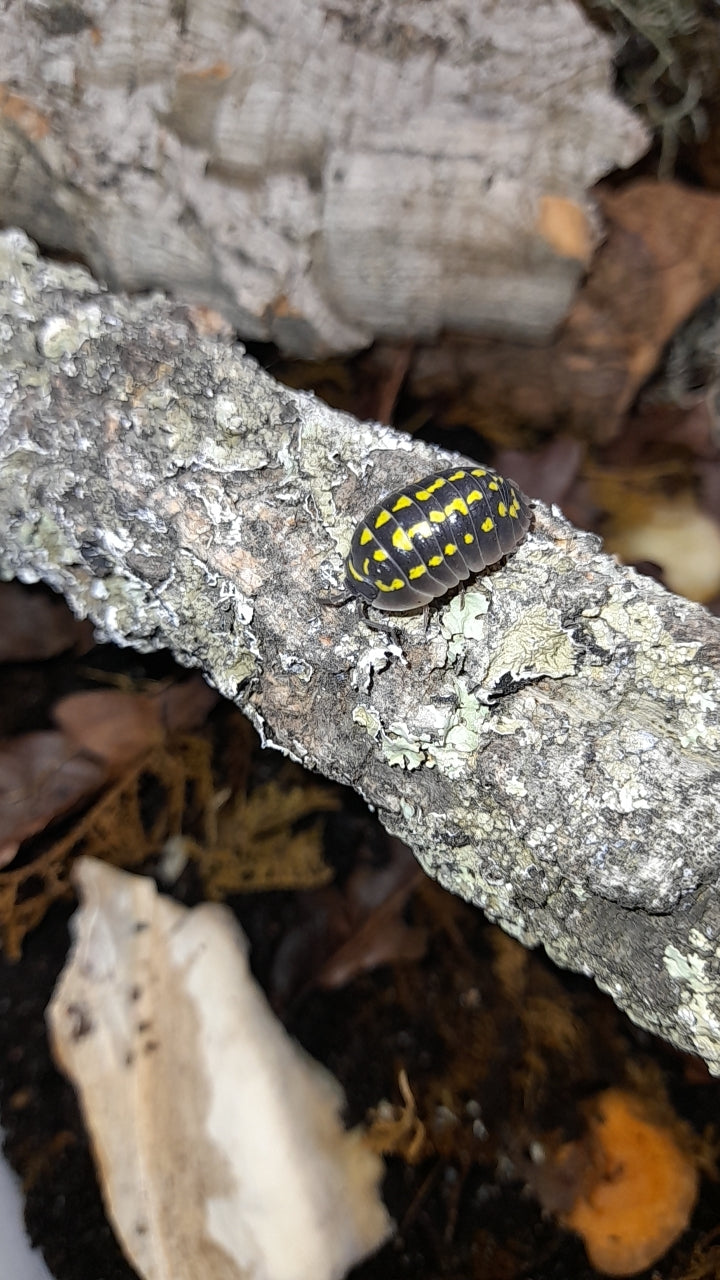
(418, 571)
(457, 504)
(420, 530)
(423, 495)
(493, 484)
(365, 537)
(437, 517)
(401, 540)
(396, 585)
(380, 554)
(469, 538)
(382, 519)
(434, 561)
(366, 566)
(474, 496)
(402, 502)
(479, 471)
(502, 509)
(450, 549)
(487, 525)
(353, 571)
(457, 475)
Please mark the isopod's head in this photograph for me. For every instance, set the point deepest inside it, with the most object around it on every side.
(356, 580)
(373, 575)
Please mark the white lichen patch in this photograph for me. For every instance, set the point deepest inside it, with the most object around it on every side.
(516, 787)
(699, 1008)
(372, 661)
(628, 791)
(400, 748)
(693, 690)
(634, 620)
(537, 645)
(464, 622)
(397, 744)
(64, 335)
(699, 941)
(441, 736)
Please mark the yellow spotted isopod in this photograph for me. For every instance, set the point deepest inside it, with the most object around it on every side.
(425, 538)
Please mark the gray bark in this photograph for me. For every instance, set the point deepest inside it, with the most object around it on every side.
(320, 173)
(549, 748)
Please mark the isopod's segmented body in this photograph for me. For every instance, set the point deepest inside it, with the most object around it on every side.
(420, 541)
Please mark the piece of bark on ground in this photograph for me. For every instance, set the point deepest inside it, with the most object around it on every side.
(259, 164)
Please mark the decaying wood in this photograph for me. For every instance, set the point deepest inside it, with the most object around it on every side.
(321, 174)
(549, 749)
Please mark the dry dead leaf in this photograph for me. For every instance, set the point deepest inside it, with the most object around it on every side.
(118, 726)
(42, 775)
(186, 704)
(115, 727)
(36, 625)
(118, 827)
(344, 932)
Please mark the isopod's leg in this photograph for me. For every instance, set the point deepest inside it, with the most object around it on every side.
(335, 601)
(385, 627)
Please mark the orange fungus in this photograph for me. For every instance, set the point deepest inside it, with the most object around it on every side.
(640, 1190)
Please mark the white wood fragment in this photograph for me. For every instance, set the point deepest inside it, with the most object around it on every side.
(217, 1139)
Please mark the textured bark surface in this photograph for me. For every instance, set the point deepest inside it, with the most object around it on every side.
(322, 174)
(549, 748)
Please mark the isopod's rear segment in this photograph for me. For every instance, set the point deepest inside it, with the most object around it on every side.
(420, 541)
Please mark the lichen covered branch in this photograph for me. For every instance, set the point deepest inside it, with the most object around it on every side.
(549, 748)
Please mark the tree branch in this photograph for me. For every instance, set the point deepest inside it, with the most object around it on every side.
(549, 749)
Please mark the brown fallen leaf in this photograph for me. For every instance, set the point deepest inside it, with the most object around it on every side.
(35, 625)
(100, 733)
(348, 931)
(115, 727)
(186, 704)
(118, 726)
(42, 775)
(118, 826)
